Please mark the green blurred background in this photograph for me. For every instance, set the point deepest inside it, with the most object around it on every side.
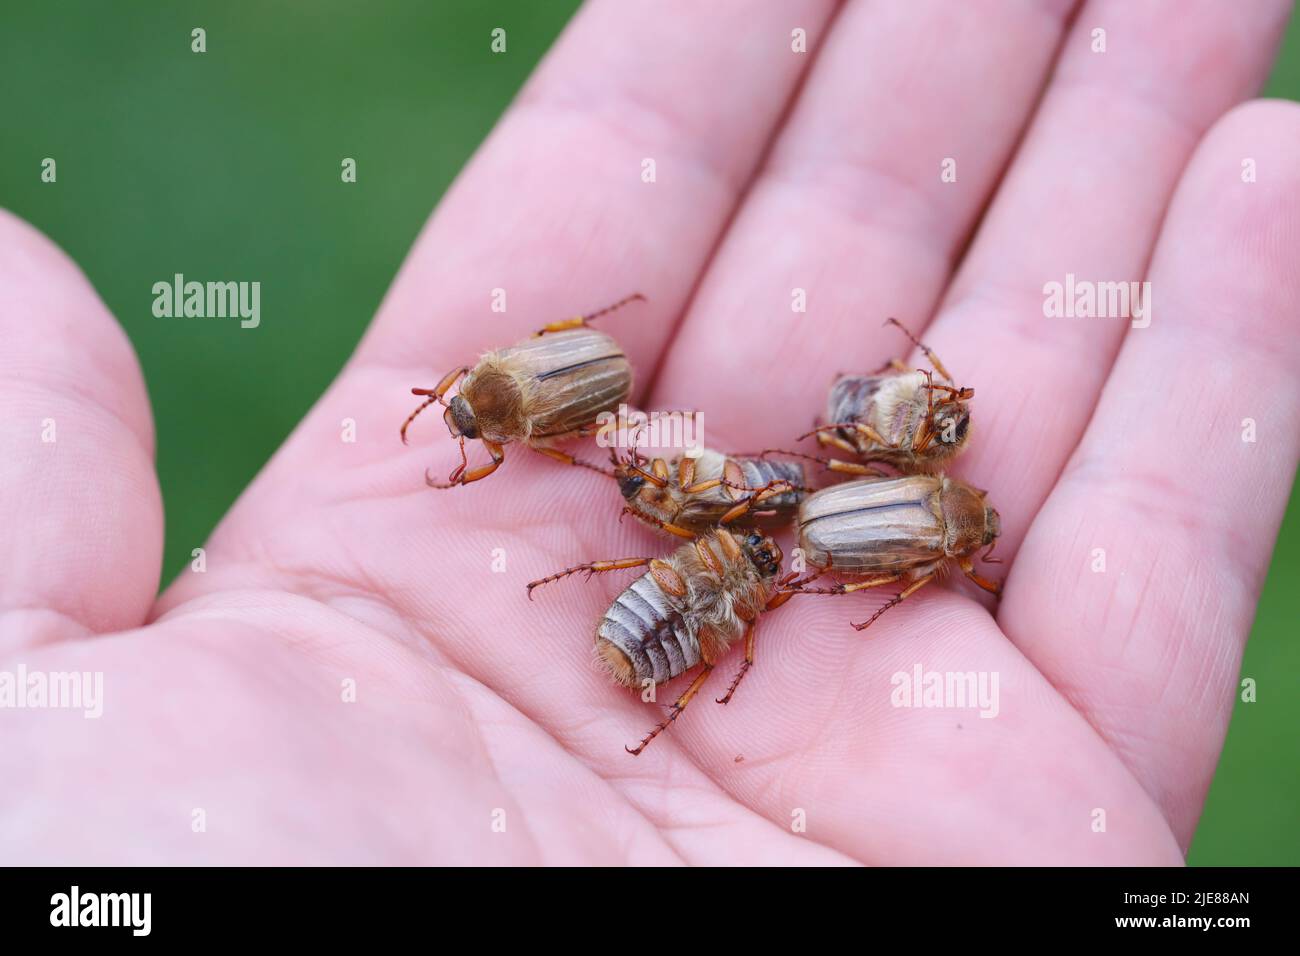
(226, 166)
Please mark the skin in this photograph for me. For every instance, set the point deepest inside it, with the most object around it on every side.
(337, 562)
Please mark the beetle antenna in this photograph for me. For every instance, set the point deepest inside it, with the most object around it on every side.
(454, 478)
(634, 297)
(925, 349)
(433, 397)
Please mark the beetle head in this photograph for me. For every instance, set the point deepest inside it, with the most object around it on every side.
(950, 424)
(460, 418)
(764, 552)
(630, 484)
(992, 524)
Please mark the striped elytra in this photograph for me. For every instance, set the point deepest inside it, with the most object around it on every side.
(555, 385)
(894, 525)
(566, 379)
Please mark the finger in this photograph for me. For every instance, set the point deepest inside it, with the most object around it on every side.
(81, 548)
(554, 211)
(561, 207)
(843, 732)
(1137, 584)
(852, 211)
(1084, 197)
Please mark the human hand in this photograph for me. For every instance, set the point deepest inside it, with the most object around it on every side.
(774, 171)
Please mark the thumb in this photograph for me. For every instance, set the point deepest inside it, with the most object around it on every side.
(81, 546)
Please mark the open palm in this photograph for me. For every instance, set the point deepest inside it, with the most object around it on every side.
(358, 676)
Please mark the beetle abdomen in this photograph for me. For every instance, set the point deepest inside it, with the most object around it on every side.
(644, 636)
(850, 399)
(760, 472)
(887, 403)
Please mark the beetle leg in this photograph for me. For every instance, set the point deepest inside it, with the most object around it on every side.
(778, 599)
(850, 588)
(834, 441)
(709, 485)
(770, 490)
(618, 425)
(454, 478)
(924, 435)
(666, 576)
(790, 585)
(580, 321)
(893, 365)
(566, 458)
(661, 525)
(896, 599)
(686, 475)
(462, 477)
(866, 431)
(708, 558)
(958, 394)
(929, 393)
(853, 468)
(659, 481)
(925, 350)
(678, 706)
(968, 568)
(591, 567)
(696, 487)
(830, 464)
(602, 427)
(872, 435)
(744, 668)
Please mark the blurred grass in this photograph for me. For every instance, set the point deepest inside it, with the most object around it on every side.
(226, 166)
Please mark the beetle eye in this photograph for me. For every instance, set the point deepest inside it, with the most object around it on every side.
(765, 555)
(961, 428)
(630, 485)
(754, 540)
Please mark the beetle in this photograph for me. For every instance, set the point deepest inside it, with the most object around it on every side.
(686, 611)
(689, 494)
(888, 530)
(542, 390)
(897, 415)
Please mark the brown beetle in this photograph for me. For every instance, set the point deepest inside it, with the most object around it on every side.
(899, 416)
(688, 495)
(888, 530)
(687, 611)
(552, 386)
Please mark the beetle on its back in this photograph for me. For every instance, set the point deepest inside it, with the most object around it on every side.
(899, 416)
(689, 495)
(685, 612)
